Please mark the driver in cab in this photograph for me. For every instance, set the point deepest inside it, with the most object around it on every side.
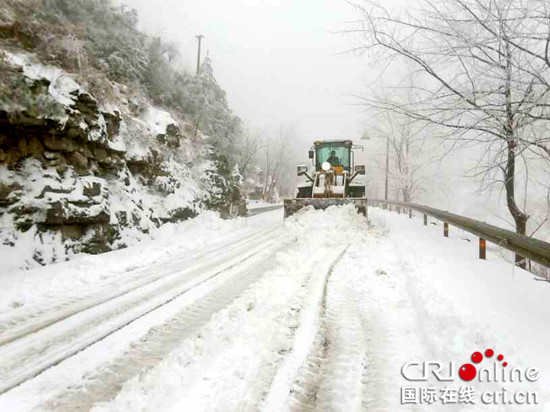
(333, 159)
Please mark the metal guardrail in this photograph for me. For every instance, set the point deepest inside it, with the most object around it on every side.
(263, 209)
(527, 247)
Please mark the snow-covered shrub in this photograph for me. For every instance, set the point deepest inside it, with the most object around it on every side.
(19, 94)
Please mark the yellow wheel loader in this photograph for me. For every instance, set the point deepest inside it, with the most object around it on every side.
(333, 180)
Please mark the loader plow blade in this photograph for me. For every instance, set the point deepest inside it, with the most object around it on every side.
(291, 206)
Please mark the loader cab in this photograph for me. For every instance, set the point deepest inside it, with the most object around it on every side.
(337, 153)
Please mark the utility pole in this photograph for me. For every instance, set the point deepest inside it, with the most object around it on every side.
(387, 167)
(199, 38)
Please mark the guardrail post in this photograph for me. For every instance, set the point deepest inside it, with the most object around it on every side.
(398, 210)
(482, 250)
(425, 220)
(445, 229)
(410, 213)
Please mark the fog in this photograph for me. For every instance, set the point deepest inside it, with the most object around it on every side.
(288, 62)
(281, 62)
(285, 62)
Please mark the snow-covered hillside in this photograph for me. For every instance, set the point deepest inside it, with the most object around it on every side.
(103, 137)
(97, 177)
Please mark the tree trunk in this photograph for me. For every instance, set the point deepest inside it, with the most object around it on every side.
(520, 218)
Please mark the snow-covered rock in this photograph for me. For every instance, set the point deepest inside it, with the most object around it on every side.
(91, 175)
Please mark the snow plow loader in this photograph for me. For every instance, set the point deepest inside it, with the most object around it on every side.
(333, 179)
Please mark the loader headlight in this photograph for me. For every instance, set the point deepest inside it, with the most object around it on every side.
(325, 166)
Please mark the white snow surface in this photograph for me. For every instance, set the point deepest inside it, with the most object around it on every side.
(158, 120)
(303, 337)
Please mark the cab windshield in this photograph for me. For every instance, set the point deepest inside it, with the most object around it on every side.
(336, 154)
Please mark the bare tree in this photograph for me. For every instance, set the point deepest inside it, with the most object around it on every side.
(409, 147)
(478, 81)
(248, 147)
(278, 156)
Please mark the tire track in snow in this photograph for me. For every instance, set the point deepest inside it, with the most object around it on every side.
(145, 353)
(340, 386)
(229, 364)
(25, 358)
(332, 376)
(296, 380)
(19, 323)
(389, 322)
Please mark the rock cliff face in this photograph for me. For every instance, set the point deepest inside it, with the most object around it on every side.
(80, 174)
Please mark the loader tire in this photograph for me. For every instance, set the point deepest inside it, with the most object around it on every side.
(305, 192)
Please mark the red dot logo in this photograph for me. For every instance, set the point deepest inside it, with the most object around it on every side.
(477, 357)
(467, 372)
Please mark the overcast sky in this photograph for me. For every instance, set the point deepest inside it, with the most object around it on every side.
(280, 61)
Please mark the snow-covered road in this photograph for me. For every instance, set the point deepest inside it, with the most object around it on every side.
(318, 313)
